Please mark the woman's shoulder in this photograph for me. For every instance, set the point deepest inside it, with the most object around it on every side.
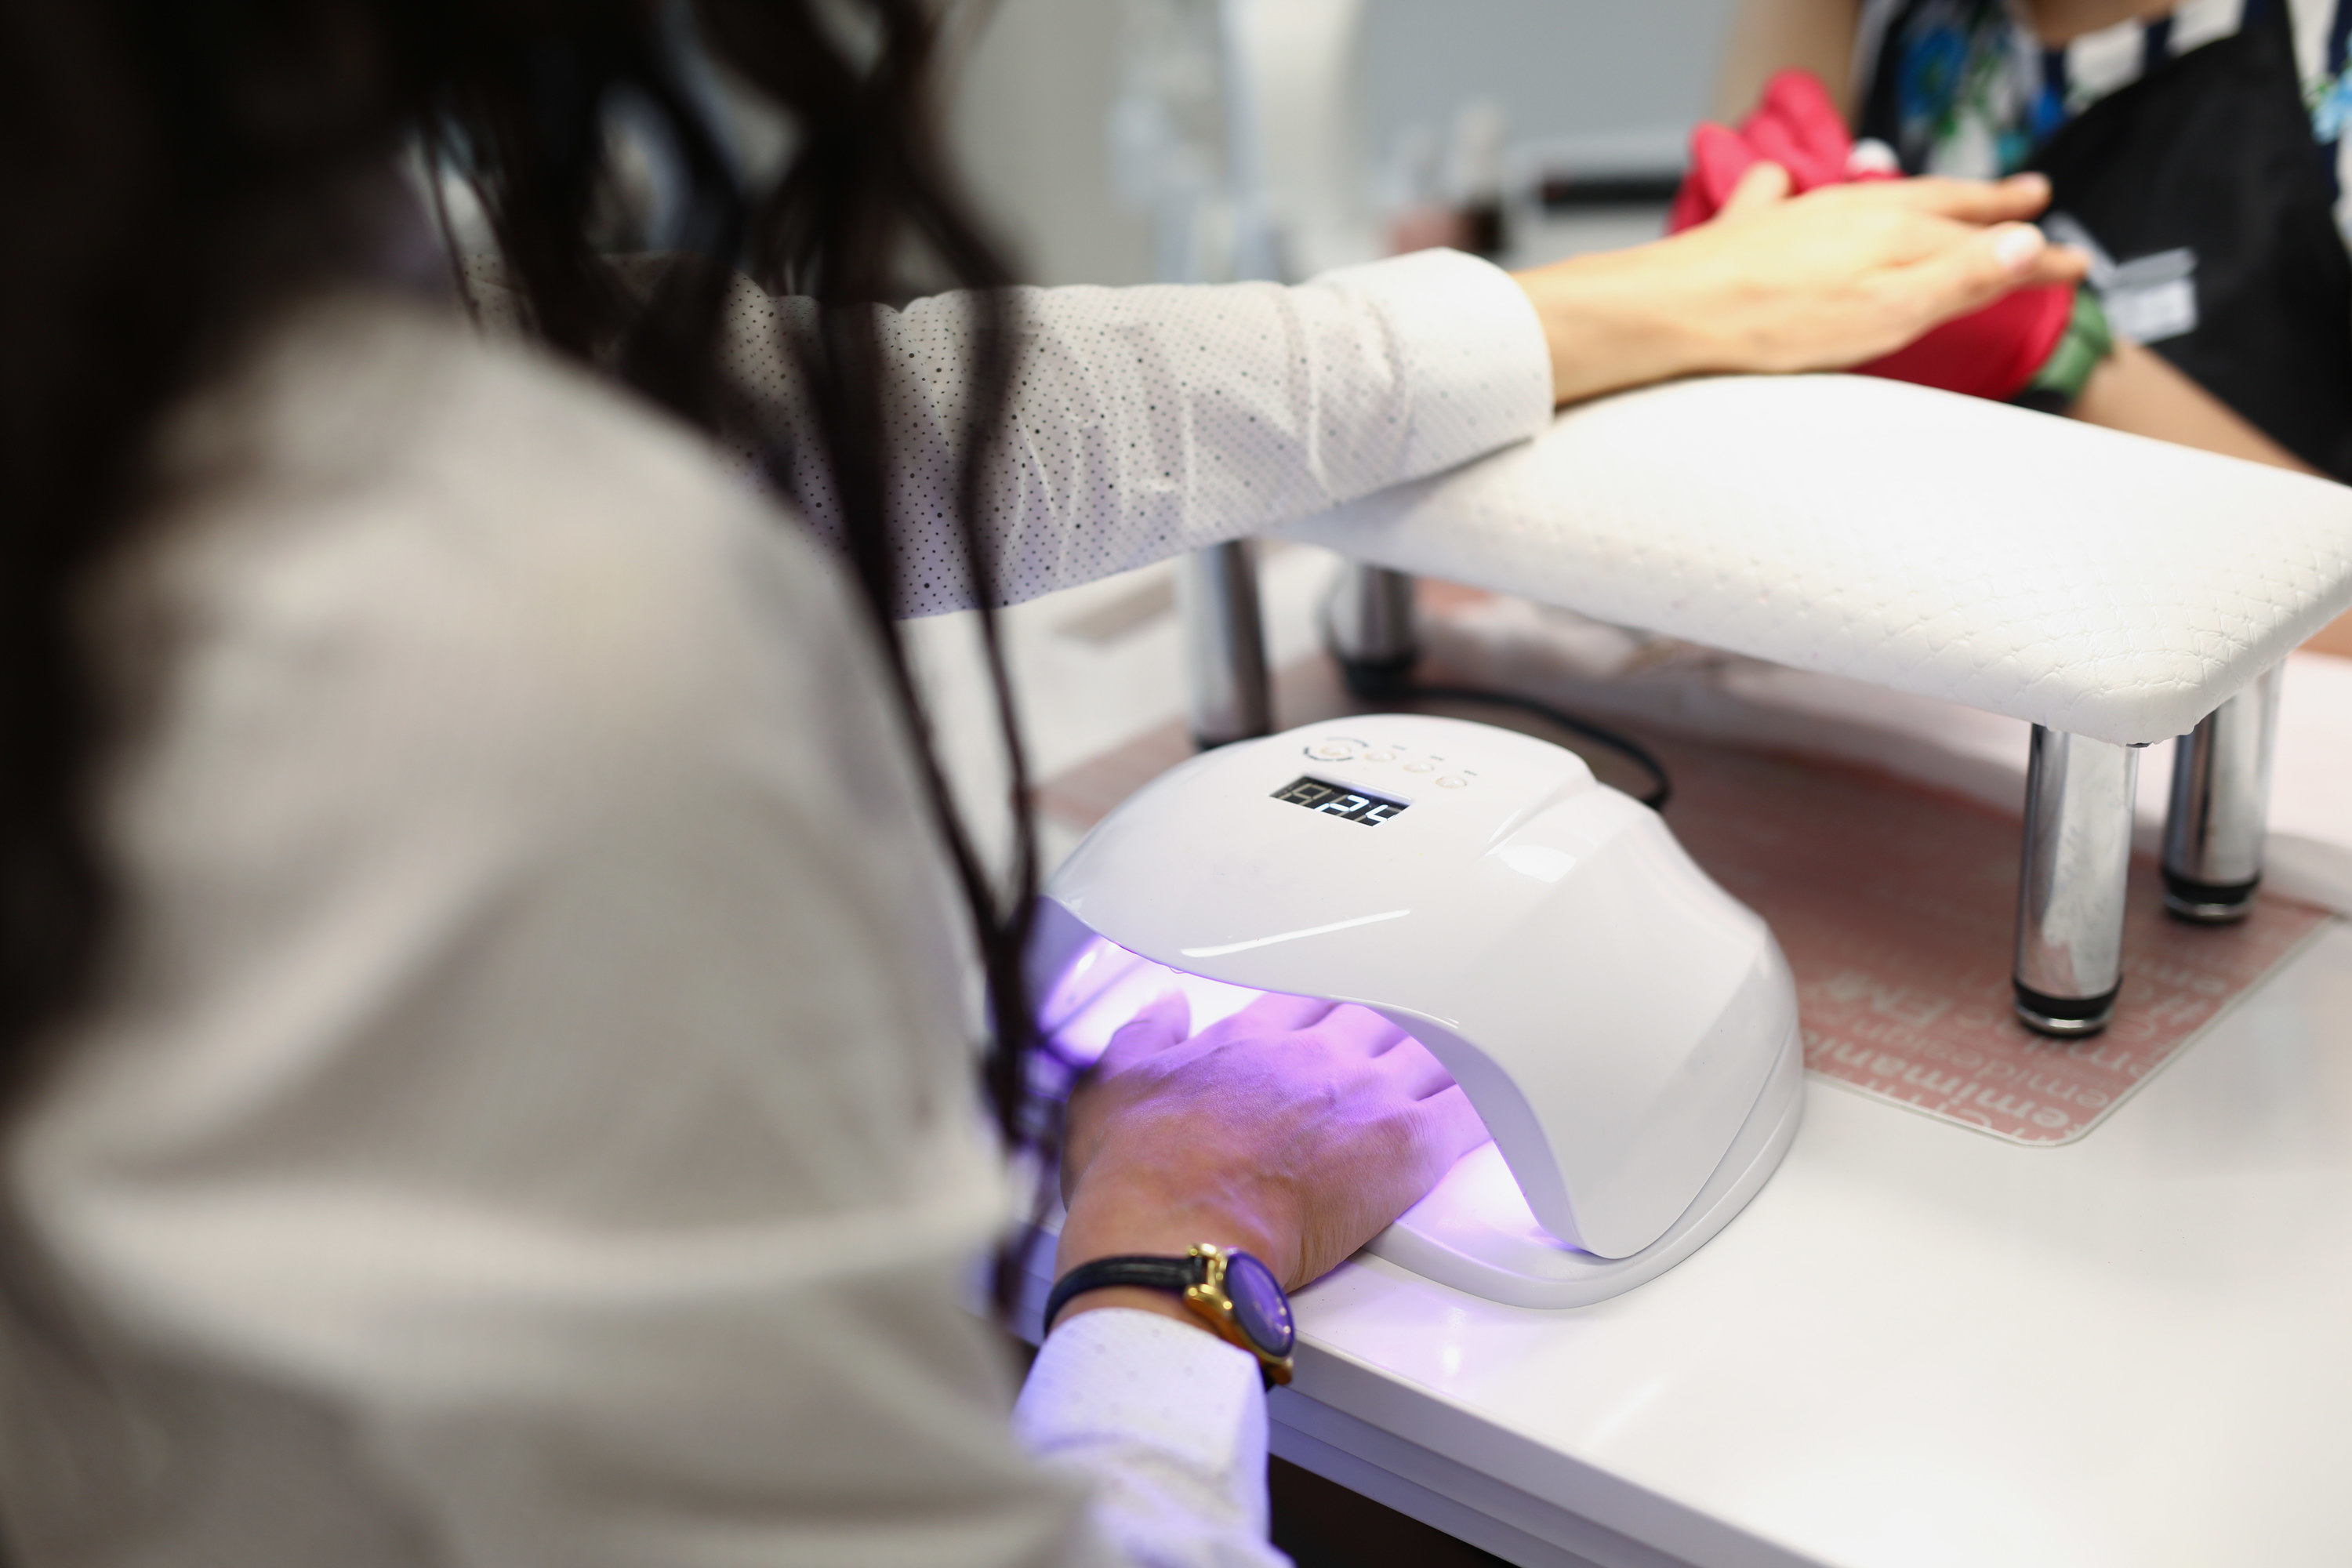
(388, 497)
(373, 427)
(439, 630)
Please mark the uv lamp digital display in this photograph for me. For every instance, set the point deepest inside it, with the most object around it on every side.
(1627, 1029)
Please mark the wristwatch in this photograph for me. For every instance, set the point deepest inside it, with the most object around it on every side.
(1235, 1294)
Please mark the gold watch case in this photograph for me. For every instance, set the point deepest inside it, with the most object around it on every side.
(1209, 1302)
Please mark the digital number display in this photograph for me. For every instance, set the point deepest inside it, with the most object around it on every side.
(1332, 800)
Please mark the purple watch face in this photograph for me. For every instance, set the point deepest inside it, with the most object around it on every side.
(1259, 1306)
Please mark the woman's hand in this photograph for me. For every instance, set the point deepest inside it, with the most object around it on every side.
(1777, 283)
(1293, 1131)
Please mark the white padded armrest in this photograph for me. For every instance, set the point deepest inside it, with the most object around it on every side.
(2103, 583)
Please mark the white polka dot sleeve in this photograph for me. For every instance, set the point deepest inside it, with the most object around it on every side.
(1166, 1427)
(1143, 422)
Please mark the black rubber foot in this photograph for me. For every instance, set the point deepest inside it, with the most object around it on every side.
(2065, 1017)
(2208, 903)
(1377, 680)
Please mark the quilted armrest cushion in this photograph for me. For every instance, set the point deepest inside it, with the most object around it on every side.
(2103, 584)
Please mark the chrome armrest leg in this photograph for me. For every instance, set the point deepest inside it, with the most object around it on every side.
(2220, 805)
(2070, 891)
(1224, 644)
(1367, 627)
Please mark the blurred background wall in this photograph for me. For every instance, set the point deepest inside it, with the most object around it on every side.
(1610, 84)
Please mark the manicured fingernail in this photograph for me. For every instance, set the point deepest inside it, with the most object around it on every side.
(2017, 249)
(2028, 182)
(1872, 156)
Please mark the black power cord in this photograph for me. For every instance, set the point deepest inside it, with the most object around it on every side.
(1387, 682)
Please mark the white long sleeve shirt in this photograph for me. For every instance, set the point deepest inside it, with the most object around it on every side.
(527, 1118)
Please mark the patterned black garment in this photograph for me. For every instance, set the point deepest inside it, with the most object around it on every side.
(2198, 156)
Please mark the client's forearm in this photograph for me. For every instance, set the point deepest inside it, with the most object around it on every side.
(2137, 390)
(2334, 638)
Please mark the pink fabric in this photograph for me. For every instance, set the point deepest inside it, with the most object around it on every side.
(1993, 353)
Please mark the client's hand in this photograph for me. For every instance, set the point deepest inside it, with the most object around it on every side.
(1820, 281)
(1293, 1131)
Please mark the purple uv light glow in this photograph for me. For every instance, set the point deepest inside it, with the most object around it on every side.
(1107, 984)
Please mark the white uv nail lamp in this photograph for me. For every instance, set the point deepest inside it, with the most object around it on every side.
(1626, 1028)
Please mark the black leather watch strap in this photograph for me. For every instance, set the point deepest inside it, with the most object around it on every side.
(1173, 1275)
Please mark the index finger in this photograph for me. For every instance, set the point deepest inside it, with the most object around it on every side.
(2010, 200)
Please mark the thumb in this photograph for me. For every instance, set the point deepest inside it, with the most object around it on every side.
(1165, 1021)
(1765, 185)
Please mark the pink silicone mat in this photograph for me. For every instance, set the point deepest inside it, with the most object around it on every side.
(1895, 906)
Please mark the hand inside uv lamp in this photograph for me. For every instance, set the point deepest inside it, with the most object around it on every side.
(1292, 1130)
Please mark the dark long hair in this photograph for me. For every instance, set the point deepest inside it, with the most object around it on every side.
(177, 169)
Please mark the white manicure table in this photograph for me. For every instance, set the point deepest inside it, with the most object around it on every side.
(1919, 1345)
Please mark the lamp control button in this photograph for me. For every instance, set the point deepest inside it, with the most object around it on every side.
(1332, 750)
(1379, 756)
(1420, 767)
(1453, 781)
